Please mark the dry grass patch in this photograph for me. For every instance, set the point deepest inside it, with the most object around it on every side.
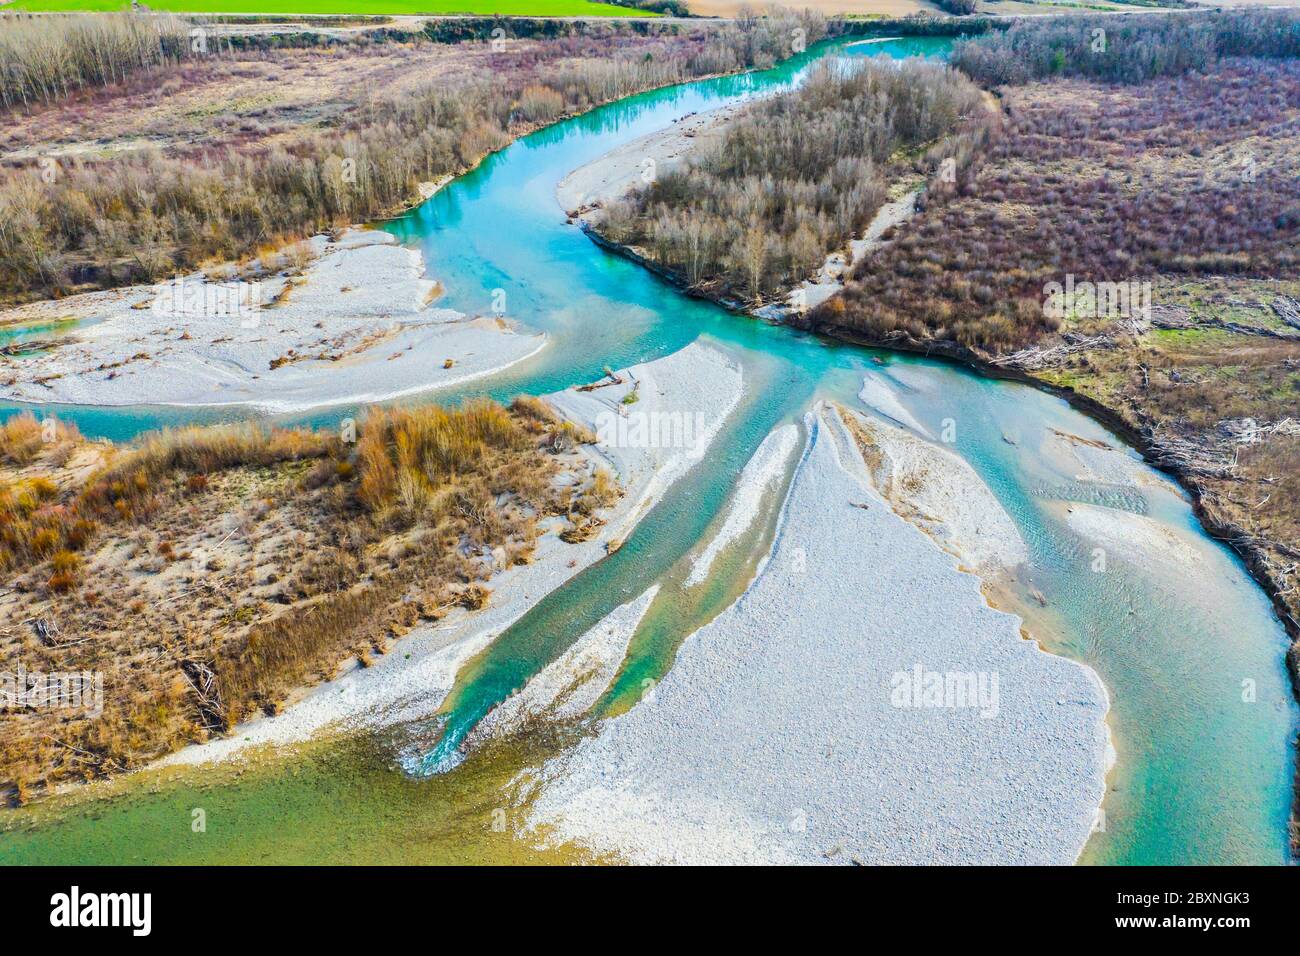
(209, 572)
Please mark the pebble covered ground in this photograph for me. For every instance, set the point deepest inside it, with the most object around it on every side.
(779, 735)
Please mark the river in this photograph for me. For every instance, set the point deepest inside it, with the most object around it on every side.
(1204, 771)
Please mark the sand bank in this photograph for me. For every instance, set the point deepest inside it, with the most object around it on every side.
(412, 679)
(1134, 538)
(761, 474)
(782, 733)
(1097, 461)
(588, 188)
(353, 326)
(569, 686)
(939, 492)
(882, 397)
(656, 422)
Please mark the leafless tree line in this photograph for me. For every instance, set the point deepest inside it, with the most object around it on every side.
(1128, 49)
(142, 214)
(795, 177)
(47, 57)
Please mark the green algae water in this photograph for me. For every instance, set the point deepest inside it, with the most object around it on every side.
(1204, 770)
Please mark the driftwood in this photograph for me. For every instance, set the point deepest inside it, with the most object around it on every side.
(601, 383)
(1171, 317)
(1191, 457)
(78, 755)
(47, 632)
(1288, 310)
(1247, 431)
(1180, 318)
(1036, 357)
(28, 347)
(207, 693)
(1253, 330)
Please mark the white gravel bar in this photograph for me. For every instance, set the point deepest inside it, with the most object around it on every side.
(1141, 541)
(569, 686)
(940, 493)
(782, 732)
(761, 473)
(882, 397)
(354, 327)
(681, 402)
(587, 190)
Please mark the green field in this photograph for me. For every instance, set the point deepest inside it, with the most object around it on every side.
(517, 8)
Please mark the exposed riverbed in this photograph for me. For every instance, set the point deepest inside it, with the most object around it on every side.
(1187, 646)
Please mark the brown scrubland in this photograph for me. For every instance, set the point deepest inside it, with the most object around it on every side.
(208, 572)
(1193, 175)
(187, 158)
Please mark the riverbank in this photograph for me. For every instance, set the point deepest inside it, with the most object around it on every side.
(408, 684)
(585, 193)
(348, 322)
(1203, 387)
(1200, 370)
(1224, 519)
(1221, 522)
(781, 734)
(365, 120)
(1201, 779)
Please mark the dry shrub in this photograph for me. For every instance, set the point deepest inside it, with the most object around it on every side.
(22, 438)
(199, 450)
(540, 104)
(536, 409)
(431, 503)
(404, 455)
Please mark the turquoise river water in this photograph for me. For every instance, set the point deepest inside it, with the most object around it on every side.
(1204, 775)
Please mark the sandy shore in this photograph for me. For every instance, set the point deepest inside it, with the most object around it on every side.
(411, 680)
(786, 731)
(1134, 538)
(1096, 462)
(353, 327)
(680, 404)
(882, 397)
(588, 188)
